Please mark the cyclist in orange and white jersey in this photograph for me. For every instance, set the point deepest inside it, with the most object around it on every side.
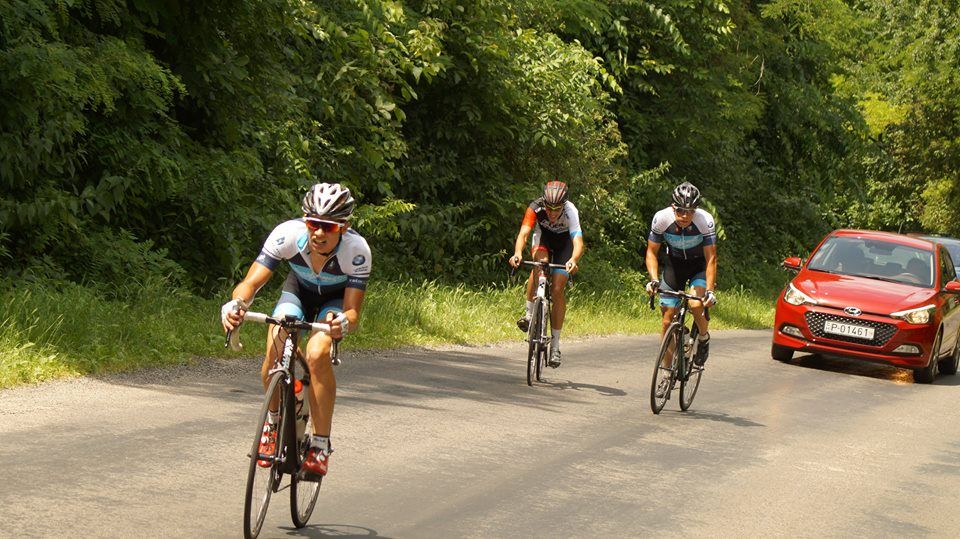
(555, 224)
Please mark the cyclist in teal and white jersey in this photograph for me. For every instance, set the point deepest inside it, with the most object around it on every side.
(690, 235)
(330, 264)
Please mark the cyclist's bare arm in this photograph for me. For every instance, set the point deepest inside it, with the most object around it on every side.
(257, 276)
(577, 250)
(710, 253)
(522, 238)
(653, 266)
(352, 304)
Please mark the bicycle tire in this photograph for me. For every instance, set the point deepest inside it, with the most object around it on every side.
(533, 336)
(261, 479)
(303, 494)
(544, 336)
(691, 381)
(670, 341)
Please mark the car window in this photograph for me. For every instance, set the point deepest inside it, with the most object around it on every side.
(877, 259)
(946, 266)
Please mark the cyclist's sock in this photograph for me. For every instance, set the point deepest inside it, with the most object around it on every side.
(320, 442)
(704, 338)
(529, 309)
(273, 417)
(555, 343)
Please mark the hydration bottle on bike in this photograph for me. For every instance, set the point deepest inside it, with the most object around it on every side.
(302, 412)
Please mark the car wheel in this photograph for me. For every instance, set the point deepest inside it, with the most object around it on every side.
(781, 353)
(949, 365)
(929, 373)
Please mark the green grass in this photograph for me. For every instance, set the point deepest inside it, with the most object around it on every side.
(53, 330)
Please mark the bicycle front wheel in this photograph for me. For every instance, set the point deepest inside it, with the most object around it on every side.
(544, 339)
(263, 473)
(533, 336)
(303, 494)
(664, 375)
(691, 382)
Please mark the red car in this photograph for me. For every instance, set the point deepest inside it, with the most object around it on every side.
(873, 296)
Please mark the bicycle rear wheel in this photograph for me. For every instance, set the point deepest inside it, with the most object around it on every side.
(303, 494)
(263, 476)
(533, 336)
(691, 382)
(663, 374)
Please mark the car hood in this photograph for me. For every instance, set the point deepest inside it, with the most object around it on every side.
(868, 295)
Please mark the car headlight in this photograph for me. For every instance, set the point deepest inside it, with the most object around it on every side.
(920, 315)
(796, 297)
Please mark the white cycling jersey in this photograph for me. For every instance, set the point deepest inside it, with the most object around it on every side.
(348, 267)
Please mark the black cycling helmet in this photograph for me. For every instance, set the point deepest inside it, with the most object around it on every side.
(555, 193)
(328, 201)
(686, 195)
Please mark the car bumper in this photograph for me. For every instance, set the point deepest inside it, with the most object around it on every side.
(904, 335)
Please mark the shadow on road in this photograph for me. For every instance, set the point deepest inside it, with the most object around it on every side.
(719, 417)
(345, 531)
(852, 366)
(405, 378)
(567, 384)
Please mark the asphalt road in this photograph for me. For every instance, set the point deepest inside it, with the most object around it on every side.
(452, 443)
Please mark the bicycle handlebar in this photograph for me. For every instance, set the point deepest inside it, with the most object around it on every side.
(671, 293)
(233, 338)
(535, 264)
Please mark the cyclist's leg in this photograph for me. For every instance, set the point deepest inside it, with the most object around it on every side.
(323, 382)
(669, 281)
(289, 303)
(698, 285)
(561, 249)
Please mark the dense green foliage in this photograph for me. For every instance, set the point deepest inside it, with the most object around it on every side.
(160, 140)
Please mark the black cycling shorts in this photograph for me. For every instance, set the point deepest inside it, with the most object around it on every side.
(677, 272)
(559, 247)
(305, 303)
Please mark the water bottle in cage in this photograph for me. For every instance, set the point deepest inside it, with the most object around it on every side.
(689, 343)
(302, 410)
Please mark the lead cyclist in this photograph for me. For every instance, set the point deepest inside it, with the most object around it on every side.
(691, 239)
(330, 264)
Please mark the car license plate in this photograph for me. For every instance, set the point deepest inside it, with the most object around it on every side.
(848, 330)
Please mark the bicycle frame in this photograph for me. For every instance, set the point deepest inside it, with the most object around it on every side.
(285, 363)
(680, 317)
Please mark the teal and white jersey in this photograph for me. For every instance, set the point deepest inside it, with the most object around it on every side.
(683, 242)
(348, 267)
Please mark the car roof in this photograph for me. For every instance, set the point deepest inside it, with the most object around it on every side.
(938, 239)
(893, 237)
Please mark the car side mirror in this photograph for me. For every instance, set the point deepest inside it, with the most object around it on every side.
(953, 287)
(794, 263)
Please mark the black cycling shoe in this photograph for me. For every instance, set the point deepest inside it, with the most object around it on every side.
(523, 323)
(703, 349)
(554, 360)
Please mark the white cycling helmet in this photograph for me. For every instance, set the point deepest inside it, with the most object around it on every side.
(329, 201)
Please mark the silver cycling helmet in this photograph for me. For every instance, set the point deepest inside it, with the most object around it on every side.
(329, 201)
(555, 193)
(686, 195)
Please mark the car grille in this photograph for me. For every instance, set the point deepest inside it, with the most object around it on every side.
(883, 332)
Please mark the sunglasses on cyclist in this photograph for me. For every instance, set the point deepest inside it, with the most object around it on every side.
(328, 227)
(684, 211)
(553, 208)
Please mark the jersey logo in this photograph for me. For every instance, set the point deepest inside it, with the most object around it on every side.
(359, 259)
(710, 225)
(279, 241)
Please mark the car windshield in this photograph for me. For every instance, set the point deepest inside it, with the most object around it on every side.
(875, 259)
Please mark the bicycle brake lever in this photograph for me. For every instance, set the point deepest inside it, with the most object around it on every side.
(651, 302)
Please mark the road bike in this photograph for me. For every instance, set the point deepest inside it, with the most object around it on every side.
(294, 428)
(677, 349)
(538, 333)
